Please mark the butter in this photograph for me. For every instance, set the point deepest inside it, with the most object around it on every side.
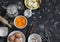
(30, 3)
(35, 4)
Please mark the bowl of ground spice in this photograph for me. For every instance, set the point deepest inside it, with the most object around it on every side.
(20, 22)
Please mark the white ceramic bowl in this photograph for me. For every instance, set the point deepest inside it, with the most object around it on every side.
(23, 36)
(37, 36)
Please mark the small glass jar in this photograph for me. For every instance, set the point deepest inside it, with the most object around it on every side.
(28, 13)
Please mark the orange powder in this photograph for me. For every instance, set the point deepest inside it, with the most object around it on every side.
(20, 22)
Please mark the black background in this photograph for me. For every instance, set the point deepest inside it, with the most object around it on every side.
(47, 16)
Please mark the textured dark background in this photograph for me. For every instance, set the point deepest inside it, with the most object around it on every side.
(46, 17)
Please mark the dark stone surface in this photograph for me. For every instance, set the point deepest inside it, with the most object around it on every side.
(46, 18)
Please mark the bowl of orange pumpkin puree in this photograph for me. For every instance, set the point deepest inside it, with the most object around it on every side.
(20, 22)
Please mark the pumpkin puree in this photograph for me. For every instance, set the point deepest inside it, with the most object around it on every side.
(20, 22)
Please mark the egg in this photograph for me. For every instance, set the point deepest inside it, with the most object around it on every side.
(17, 40)
(12, 37)
(18, 35)
(11, 41)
